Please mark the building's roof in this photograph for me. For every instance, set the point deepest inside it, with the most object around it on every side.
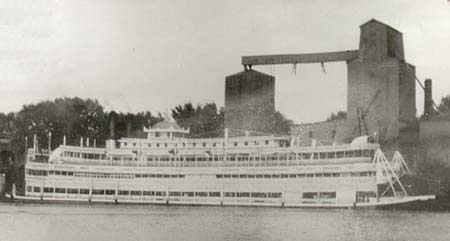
(250, 72)
(376, 21)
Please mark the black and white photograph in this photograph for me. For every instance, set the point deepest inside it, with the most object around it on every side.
(208, 120)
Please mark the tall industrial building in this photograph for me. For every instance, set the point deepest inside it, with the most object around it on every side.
(381, 84)
(381, 90)
(250, 101)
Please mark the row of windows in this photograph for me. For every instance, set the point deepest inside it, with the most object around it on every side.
(153, 193)
(94, 156)
(100, 175)
(302, 175)
(281, 157)
(125, 176)
(234, 157)
(149, 145)
(321, 195)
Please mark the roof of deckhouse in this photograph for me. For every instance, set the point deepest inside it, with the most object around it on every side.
(166, 124)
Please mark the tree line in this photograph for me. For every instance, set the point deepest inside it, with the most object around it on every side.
(87, 118)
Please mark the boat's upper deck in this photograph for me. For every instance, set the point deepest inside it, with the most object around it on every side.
(209, 155)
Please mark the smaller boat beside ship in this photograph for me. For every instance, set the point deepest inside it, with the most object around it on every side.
(168, 168)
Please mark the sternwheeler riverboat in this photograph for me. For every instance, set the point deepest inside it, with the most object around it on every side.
(168, 168)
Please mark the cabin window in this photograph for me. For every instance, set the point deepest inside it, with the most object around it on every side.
(48, 189)
(214, 194)
(235, 144)
(201, 194)
(72, 191)
(98, 192)
(229, 194)
(310, 195)
(327, 195)
(363, 174)
(175, 194)
(246, 143)
(310, 134)
(36, 189)
(84, 191)
(148, 193)
(267, 142)
(243, 194)
(204, 144)
(259, 194)
(110, 192)
(123, 192)
(136, 193)
(366, 153)
(274, 194)
(60, 190)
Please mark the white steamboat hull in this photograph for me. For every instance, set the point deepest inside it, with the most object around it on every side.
(252, 203)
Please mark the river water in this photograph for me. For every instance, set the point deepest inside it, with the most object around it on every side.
(30, 222)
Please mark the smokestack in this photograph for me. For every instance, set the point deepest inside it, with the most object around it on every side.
(428, 105)
(111, 127)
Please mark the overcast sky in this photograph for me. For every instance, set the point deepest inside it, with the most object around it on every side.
(139, 55)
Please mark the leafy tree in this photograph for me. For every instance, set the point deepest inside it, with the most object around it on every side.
(444, 106)
(72, 117)
(203, 121)
(282, 125)
(208, 120)
(130, 125)
(340, 115)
